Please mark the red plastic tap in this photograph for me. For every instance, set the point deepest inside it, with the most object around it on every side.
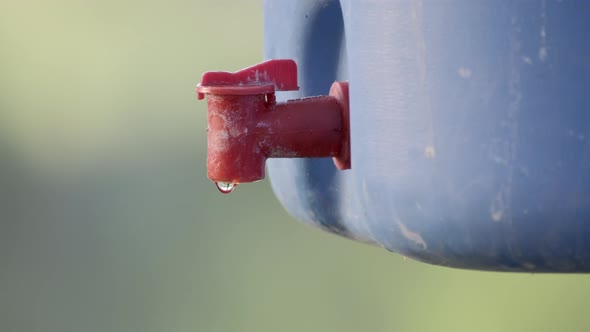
(247, 125)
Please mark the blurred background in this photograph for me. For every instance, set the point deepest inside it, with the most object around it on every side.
(108, 222)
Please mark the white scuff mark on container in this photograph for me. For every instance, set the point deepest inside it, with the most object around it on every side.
(543, 53)
(506, 150)
(410, 235)
(543, 49)
(464, 72)
(430, 152)
(527, 60)
(498, 208)
(418, 206)
(524, 171)
(579, 136)
(499, 160)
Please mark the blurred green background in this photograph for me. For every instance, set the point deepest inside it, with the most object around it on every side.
(108, 222)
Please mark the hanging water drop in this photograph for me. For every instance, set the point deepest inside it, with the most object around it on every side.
(225, 187)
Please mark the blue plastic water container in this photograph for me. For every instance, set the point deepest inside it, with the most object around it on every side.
(470, 127)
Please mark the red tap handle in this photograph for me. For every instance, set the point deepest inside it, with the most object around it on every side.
(265, 77)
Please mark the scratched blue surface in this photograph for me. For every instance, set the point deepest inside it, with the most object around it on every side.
(470, 128)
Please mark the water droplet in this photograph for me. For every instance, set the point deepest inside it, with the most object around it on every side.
(225, 187)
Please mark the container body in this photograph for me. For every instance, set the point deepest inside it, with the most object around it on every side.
(470, 127)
